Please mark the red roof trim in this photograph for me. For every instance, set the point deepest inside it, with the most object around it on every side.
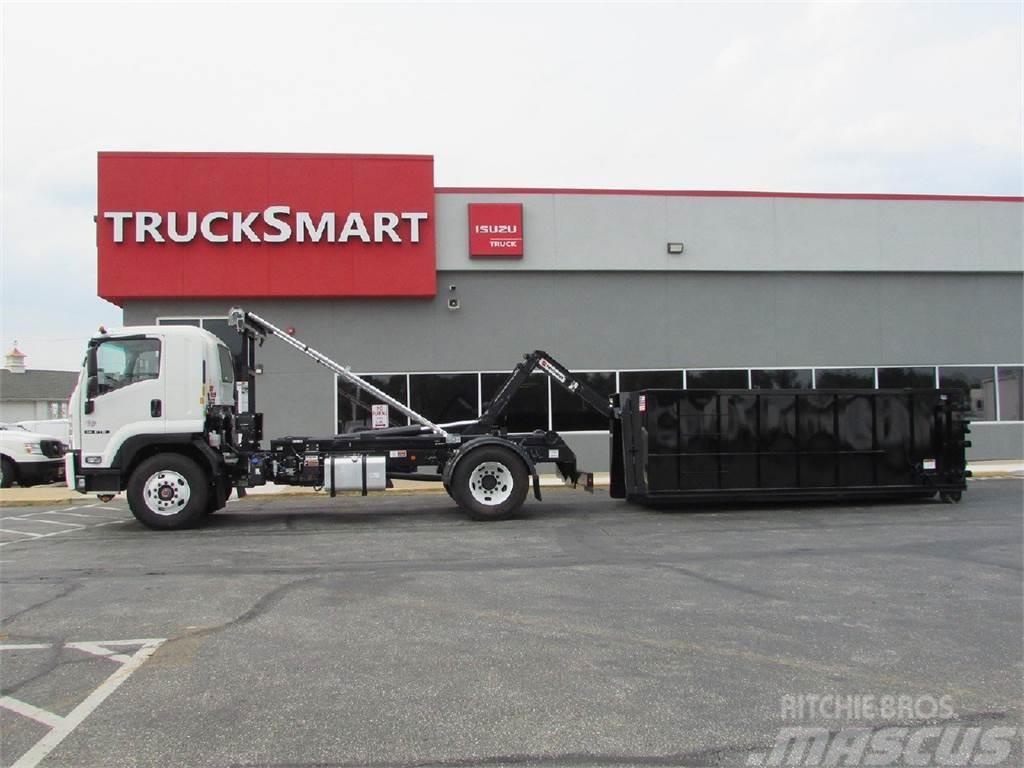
(265, 154)
(719, 193)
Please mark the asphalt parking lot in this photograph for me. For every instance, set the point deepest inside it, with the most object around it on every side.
(393, 631)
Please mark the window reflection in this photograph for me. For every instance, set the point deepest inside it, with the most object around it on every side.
(977, 383)
(1011, 393)
(906, 378)
(844, 378)
(781, 378)
(716, 379)
(444, 397)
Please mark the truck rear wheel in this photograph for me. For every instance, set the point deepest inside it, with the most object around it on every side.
(490, 483)
(168, 491)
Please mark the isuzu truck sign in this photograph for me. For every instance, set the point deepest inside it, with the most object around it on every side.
(496, 229)
(180, 225)
(281, 226)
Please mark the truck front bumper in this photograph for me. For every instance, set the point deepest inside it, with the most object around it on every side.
(40, 472)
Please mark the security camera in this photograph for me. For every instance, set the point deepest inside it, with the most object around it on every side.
(453, 304)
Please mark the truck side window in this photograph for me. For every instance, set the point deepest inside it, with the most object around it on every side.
(120, 363)
(227, 365)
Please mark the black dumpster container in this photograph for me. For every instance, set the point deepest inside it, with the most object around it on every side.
(693, 445)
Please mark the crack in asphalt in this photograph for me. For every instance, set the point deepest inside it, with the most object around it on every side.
(42, 603)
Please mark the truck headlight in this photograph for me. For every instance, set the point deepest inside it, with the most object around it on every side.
(35, 449)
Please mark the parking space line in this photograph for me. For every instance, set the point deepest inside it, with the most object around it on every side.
(23, 646)
(65, 512)
(23, 708)
(45, 522)
(98, 650)
(26, 533)
(62, 728)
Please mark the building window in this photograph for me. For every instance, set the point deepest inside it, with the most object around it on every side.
(570, 413)
(529, 407)
(781, 378)
(57, 409)
(444, 397)
(906, 378)
(631, 381)
(1011, 393)
(354, 403)
(844, 378)
(716, 379)
(978, 385)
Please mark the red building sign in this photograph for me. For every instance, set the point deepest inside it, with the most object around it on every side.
(262, 225)
(496, 229)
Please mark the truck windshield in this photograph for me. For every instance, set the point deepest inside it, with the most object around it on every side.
(227, 365)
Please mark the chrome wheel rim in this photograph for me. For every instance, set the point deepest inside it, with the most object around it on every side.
(490, 483)
(166, 492)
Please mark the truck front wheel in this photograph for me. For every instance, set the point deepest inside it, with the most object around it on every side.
(490, 483)
(168, 491)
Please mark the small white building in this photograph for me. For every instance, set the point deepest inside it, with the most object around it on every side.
(33, 395)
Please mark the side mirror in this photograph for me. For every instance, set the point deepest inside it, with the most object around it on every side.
(92, 387)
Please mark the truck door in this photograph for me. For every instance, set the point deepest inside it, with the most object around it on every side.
(125, 394)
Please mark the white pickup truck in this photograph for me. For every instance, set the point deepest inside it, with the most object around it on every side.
(29, 458)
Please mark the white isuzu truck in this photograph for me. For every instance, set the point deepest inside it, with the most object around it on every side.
(155, 414)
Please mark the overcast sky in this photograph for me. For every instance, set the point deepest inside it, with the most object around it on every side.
(881, 97)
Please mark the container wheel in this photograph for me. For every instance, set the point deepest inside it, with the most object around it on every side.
(168, 491)
(490, 483)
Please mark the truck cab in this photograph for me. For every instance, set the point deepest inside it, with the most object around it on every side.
(147, 392)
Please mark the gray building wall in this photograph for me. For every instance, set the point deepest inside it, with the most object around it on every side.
(623, 232)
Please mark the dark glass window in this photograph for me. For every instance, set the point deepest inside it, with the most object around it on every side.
(977, 382)
(903, 378)
(227, 334)
(716, 379)
(631, 381)
(529, 407)
(571, 413)
(844, 378)
(781, 378)
(354, 403)
(444, 397)
(1011, 393)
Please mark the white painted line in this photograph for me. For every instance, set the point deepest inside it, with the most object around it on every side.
(64, 523)
(24, 646)
(26, 533)
(98, 650)
(44, 716)
(68, 509)
(74, 718)
(114, 509)
(68, 514)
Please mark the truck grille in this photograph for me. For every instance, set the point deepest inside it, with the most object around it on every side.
(52, 448)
